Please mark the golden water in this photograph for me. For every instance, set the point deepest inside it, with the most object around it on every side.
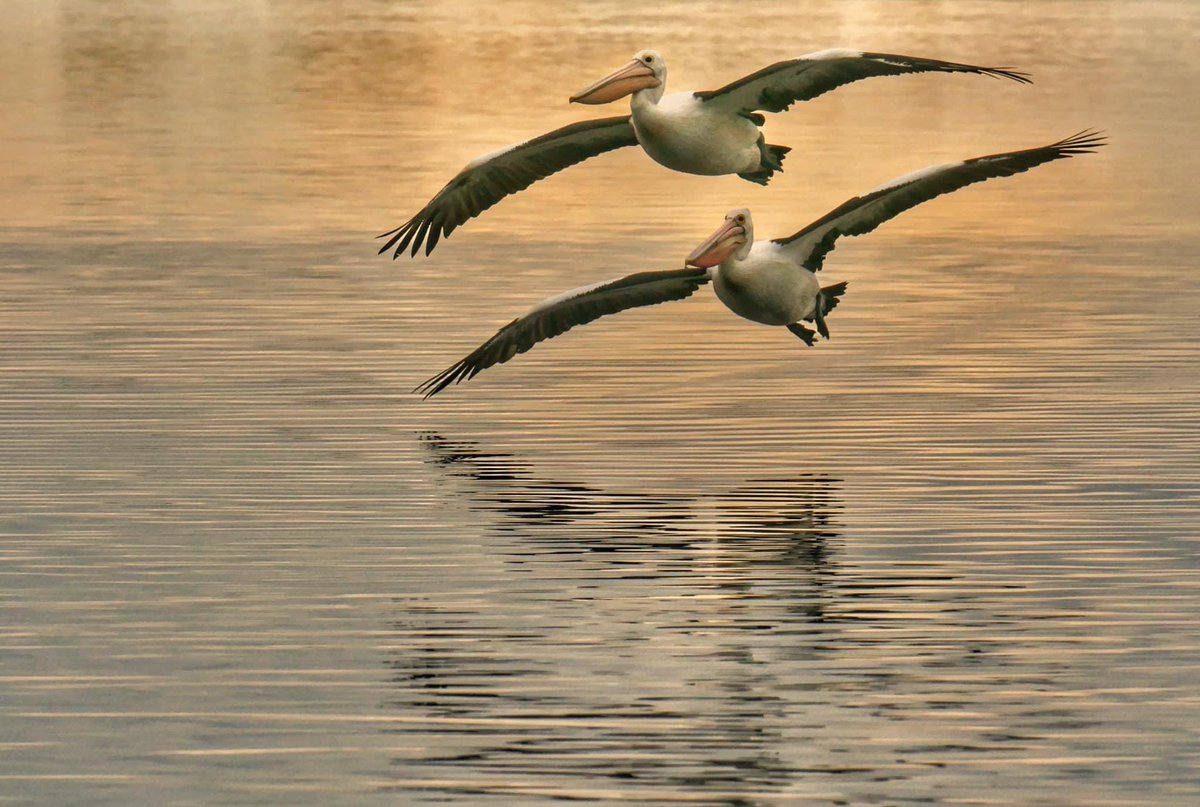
(948, 557)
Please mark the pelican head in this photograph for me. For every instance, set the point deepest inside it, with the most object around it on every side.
(645, 71)
(734, 237)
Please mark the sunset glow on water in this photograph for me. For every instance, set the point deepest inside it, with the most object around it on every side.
(948, 556)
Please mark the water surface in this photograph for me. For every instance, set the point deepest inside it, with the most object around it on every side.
(948, 557)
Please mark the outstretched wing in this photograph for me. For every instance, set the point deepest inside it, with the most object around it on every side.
(490, 178)
(559, 314)
(777, 87)
(864, 213)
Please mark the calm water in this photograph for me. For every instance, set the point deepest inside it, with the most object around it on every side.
(950, 557)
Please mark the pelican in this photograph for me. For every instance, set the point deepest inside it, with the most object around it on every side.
(771, 282)
(709, 133)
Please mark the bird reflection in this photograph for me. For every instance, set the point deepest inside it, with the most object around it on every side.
(639, 645)
(736, 535)
(799, 509)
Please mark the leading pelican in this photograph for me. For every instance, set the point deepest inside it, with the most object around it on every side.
(772, 282)
(709, 133)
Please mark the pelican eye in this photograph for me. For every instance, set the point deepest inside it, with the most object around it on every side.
(648, 59)
(741, 219)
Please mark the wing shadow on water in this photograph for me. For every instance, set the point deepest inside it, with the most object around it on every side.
(628, 646)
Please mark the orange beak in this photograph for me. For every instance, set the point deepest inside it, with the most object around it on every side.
(629, 79)
(719, 246)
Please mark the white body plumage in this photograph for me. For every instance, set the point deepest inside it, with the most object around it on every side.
(766, 286)
(683, 134)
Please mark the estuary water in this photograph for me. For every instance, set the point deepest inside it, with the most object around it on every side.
(950, 556)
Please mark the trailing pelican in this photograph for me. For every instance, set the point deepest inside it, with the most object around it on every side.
(771, 282)
(708, 133)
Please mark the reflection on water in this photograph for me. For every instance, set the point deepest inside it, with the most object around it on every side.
(677, 699)
(804, 505)
(720, 647)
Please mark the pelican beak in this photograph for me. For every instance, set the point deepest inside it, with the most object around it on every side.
(719, 246)
(629, 79)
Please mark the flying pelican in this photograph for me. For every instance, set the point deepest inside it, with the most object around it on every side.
(771, 282)
(708, 133)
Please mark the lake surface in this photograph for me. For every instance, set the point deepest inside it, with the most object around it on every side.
(952, 556)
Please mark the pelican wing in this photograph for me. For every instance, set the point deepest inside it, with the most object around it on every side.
(490, 178)
(559, 314)
(862, 214)
(777, 87)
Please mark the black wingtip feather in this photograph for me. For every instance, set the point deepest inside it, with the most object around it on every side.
(918, 64)
(451, 375)
(481, 184)
(418, 238)
(435, 233)
(899, 195)
(522, 334)
(404, 242)
(399, 238)
(1084, 142)
(393, 236)
(1006, 72)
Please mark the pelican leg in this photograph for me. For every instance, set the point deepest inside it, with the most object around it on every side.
(770, 161)
(822, 328)
(804, 333)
